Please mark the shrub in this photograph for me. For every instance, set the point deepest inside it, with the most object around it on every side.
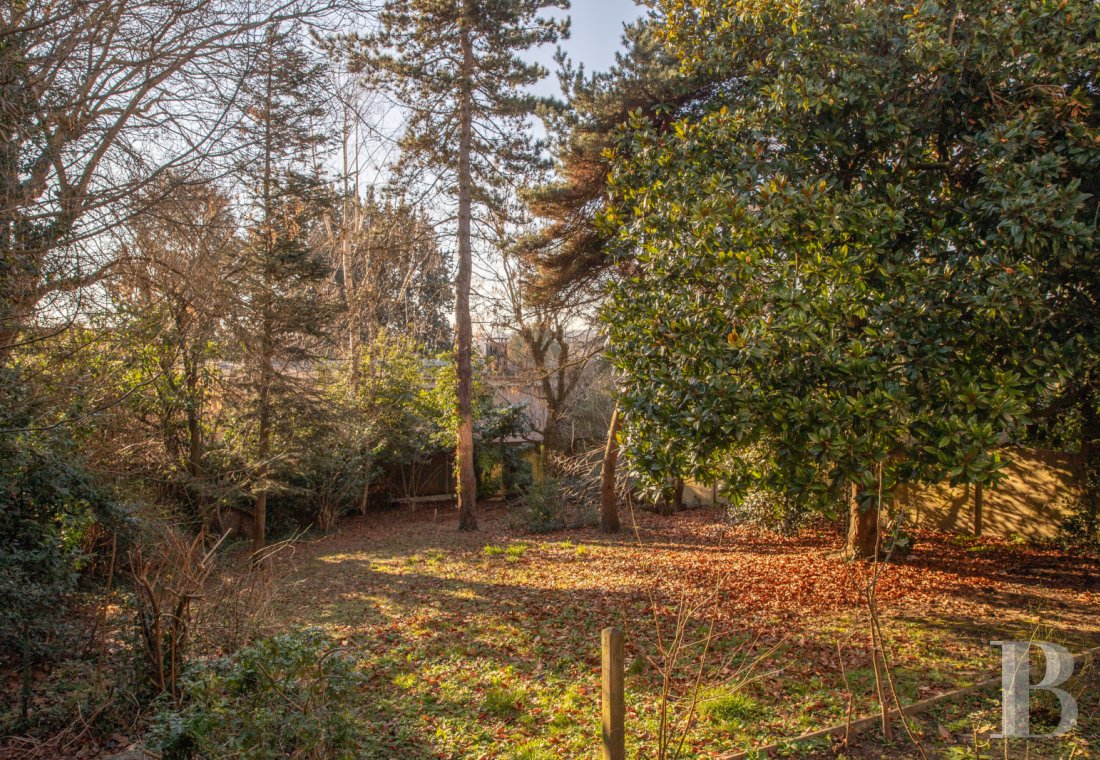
(766, 509)
(541, 509)
(553, 504)
(288, 696)
(501, 466)
(1081, 524)
(51, 510)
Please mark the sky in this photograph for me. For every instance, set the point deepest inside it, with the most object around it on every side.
(594, 36)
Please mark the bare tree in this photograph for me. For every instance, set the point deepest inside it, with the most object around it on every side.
(559, 340)
(391, 272)
(169, 291)
(101, 100)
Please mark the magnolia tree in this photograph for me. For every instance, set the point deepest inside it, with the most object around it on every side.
(843, 268)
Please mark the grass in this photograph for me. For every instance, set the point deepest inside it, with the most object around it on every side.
(722, 705)
(502, 701)
(487, 645)
(510, 552)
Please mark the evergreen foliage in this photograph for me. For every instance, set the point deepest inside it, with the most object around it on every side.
(282, 309)
(847, 257)
(455, 66)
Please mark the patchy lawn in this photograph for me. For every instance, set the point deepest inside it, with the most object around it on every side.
(486, 644)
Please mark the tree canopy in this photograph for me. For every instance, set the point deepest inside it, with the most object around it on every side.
(837, 257)
(570, 250)
(456, 66)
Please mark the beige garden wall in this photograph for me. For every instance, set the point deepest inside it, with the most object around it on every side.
(1033, 499)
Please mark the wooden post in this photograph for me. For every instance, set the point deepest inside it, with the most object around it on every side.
(614, 708)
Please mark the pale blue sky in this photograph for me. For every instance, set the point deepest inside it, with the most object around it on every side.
(595, 36)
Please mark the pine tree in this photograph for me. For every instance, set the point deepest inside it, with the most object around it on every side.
(570, 250)
(646, 81)
(455, 66)
(279, 279)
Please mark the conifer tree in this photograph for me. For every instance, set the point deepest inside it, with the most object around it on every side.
(456, 67)
(279, 279)
(570, 250)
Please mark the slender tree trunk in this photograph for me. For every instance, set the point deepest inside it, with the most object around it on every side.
(350, 302)
(1090, 458)
(267, 351)
(979, 498)
(263, 449)
(609, 507)
(464, 452)
(862, 526)
(346, 227)
(194, 447)
(194, 433)
(192, 374)
(259, 523)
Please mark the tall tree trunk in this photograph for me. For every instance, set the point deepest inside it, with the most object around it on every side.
(551, 431)
(609, 507)
(194, 433)
(464, 452)
(1090, 458)
(192, 370)
(350, 302)
(862, 526)
(267, 342)
(259, 523)
(263, 449)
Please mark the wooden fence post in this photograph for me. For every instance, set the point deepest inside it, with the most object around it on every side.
(614, 708)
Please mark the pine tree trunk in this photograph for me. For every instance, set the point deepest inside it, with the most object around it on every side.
(609, 507)
(862, 526)
(464, 453)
